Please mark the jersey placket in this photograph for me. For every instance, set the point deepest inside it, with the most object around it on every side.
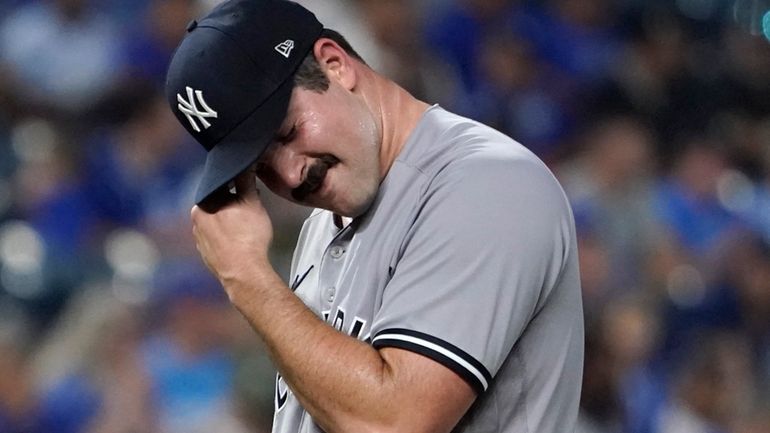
(330, 271)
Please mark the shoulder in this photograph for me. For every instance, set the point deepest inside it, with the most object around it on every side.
(469, 156)
(444, 140)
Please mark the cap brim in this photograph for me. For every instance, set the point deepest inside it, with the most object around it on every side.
(242, 146)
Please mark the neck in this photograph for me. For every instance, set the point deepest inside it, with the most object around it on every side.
(398, 112)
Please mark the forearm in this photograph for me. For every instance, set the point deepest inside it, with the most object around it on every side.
(344, 383)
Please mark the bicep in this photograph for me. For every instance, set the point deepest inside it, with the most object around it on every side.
(434, 397)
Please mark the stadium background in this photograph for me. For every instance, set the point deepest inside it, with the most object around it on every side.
(655, 116)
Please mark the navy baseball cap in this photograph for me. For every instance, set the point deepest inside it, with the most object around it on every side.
(230, 80)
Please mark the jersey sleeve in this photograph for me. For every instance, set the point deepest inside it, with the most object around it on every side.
(488, 243)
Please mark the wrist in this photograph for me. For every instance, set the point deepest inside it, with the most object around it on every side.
(253, 280)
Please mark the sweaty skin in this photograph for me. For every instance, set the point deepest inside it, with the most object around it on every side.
(345, 384)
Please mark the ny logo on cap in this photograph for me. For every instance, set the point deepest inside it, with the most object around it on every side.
(190, 109)
(285, 47)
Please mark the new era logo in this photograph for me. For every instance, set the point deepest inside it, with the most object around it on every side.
(285, 47)
(190, 109)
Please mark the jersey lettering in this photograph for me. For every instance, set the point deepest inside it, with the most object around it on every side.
(281, 392)
(358, 325)
(339, 319)
(339, 323)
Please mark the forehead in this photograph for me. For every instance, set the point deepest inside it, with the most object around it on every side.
(304, 105)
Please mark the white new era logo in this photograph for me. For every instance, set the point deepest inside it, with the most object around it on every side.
(285, 47)
(190, 109)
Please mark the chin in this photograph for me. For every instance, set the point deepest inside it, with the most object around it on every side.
(343, 211)
(351, 203)
(351, 210)
(356, 210)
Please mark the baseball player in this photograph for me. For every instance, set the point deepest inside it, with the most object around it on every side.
(434, 288)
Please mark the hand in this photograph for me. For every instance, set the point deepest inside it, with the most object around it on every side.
(233, 232)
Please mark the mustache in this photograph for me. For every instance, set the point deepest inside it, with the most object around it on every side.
(315, 177)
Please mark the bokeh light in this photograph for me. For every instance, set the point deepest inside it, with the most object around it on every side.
(735, 191)
(766, 25)
(22, 255)
(34, 139)
(134, 258)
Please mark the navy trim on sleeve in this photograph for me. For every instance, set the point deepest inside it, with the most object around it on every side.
(450, 356)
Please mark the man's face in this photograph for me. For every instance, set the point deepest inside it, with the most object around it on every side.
(326, 153)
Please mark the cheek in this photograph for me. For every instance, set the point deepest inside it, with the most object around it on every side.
(351, 124)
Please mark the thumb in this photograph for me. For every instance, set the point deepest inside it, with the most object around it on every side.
(246, 185)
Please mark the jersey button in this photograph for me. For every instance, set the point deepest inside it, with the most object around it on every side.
(337, 252)
(330, 292)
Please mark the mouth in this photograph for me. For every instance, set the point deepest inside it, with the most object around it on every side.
(315, 177)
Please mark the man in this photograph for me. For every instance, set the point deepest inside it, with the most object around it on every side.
(434, 289)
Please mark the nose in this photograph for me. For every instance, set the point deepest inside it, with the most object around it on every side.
(282, 167)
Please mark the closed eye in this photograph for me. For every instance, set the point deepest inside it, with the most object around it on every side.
(285, 138)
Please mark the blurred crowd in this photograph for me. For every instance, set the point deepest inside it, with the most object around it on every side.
(654, 115)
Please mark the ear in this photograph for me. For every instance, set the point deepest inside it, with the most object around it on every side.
(336, 63)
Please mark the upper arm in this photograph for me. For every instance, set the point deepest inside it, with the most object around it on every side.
(488, 244)
(437, 397)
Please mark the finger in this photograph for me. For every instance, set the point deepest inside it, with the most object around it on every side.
(216, 200)
(246, 185)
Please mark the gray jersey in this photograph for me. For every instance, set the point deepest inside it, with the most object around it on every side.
(467, 256)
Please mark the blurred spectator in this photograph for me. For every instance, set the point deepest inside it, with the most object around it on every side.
(600, 406)
(756, 421)
(748, 275)
(137, 167)
(112, 368)
(46, 184)
(688, 201)
(595, 271)
(404, 56)
(503, 79)
(149, 50)
(631, 331)
(577, 38)
(189, 358)
(654, 79)
(19, 410)
(456, 32)
(525, 99)
(62, 51)
(746, 61)
(134, 173)
(746, 189)
(611, 186)
(46, 227)
(91, 378)
(714, 387)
